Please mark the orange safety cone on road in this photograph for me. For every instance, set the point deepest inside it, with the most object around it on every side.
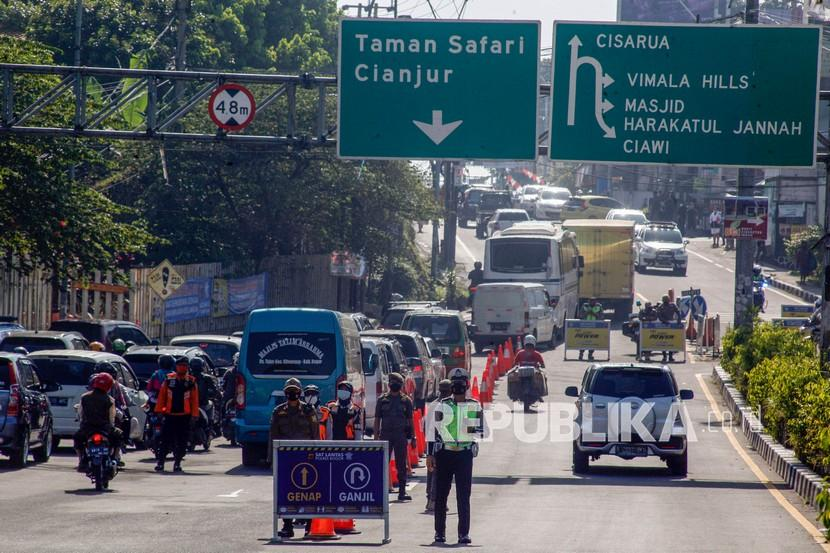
(414, 458)
(485, 382)
(511, 355)
(500, 358)
(393, 473)
(345, 526)
(420, 437)
(691, 331)
(474, 392)
(322, 529)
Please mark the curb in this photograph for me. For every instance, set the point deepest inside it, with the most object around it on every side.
(798, 476)
(794, 290)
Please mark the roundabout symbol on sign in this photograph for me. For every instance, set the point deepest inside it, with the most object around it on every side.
(232, 107)
(357, 476)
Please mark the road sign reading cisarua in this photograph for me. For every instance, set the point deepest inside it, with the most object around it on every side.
(437, 89)
(685, 94)
(232, 107)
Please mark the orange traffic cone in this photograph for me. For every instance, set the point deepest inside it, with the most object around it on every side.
(414, 458)
(485, 383)
(500, 358)
(393, 473)
(322, 529)
(420, 437)
(510, 357)
(474, 390)
(691, 331)
(345, 526)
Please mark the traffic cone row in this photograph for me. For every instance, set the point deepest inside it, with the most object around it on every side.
(497, 365)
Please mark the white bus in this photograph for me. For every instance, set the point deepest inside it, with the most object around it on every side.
(538, 252)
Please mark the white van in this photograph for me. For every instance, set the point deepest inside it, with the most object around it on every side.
(538, 252)
(512, 310)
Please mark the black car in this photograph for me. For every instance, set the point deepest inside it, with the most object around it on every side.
(25, 415)
(490, 202)
(104, 331)
(145, 360)
(468, 203)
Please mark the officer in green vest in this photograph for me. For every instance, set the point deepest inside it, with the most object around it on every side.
(591, 311)
(450, 453)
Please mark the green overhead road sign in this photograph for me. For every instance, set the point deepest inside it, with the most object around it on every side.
(743, 96)
(427, 89)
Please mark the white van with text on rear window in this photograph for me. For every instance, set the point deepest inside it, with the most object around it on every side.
(512, 310)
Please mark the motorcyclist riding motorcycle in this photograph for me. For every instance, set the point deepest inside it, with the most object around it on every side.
(759, 298)
(119, 346)
(208, 388)
(96, 411)
(96, 346)
(528, 355)
(476, 277)
(167, 364)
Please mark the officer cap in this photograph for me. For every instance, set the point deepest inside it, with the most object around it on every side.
(458, 374)
(445, 385)
(396, 377)
(292, 383)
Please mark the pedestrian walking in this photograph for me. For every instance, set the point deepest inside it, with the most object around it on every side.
(393, 423)
(451, 450)
(178, 401)
(444, 391)
(805, 262)
(715, 221)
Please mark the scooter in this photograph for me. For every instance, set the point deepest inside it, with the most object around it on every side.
(229, 422)
(100, 460)
(759, 298)
(202, 433)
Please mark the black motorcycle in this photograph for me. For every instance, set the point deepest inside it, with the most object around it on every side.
(100, 461)
(152, 428)
(202, 433)
(229, 422)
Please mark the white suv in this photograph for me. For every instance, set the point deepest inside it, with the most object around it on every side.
(630, 411)
(503, 219)
(660, 245)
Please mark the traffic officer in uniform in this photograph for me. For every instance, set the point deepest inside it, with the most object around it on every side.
(346, 417)
(393, 423)
(591, 311)
(311, 395)
(293, 420)
(450, 453)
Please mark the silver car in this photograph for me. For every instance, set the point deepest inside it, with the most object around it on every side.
(660, 246)
(630, 411)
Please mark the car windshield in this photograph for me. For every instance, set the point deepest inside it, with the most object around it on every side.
(31, 343)
(444, 330)
(393, 318)
(514, 216)
(408, 345)
(555, 195)
(519, 256)
(474, 195)
(67, 372)
(531, 189)
(88, 330)
(492, 201)
(638, 218)
(220, 354)
(143, 364)
(641, 383)
(283, 353)
(671, 236)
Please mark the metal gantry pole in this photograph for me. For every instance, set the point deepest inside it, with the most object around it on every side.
(436, 240)
(744, 249)
(825, 273)
(450, 216)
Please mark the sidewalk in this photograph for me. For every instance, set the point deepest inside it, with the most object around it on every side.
(782, 279)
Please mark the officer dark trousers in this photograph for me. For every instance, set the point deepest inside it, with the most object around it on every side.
(398, 445)
(175, 433)
(449, 464)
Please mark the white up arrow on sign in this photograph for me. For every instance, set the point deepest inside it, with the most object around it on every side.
(437, 131)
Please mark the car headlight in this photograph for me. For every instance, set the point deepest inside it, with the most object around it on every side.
(680, 254)
(647, 250)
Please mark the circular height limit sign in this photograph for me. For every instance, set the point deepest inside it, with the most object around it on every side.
(232, 107)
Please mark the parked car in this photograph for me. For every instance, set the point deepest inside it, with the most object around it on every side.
(589, 207)
(26, 425)
(449, 331)
(660, 245)
(489, 204)
(468, 204)
(550, 202)
(376, 369)
(362, 321)
(144, 360)
(37, 340)
(527, 197)
(418, 360)
(613, 386)
(67, 374)
(503, 219)
(9, 324)
(634, 215)
(220, 348)
(103, 330)
(396, 311)
(437, 357)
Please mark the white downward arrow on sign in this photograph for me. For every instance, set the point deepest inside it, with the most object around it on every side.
(437, 131)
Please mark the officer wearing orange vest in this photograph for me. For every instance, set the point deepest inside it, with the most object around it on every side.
(311, 395)
(178, 401)
(346, 417)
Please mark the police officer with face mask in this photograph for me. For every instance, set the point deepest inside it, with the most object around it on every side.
(450, 453)
(393, 423)
(346, 417)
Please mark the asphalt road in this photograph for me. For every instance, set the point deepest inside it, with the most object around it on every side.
(525, 497)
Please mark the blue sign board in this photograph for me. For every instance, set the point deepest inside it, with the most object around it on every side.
(246, 294)
(190, 301)
(330, 479)
(797, 311)
(790, 322)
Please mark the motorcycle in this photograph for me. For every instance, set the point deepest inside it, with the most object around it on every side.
(100, 461)
(229, 422)
(202, 433)
(528, 384)
(759, 298)
(152, 428)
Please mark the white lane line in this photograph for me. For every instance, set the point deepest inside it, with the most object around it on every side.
(465, 248)
(786, 296)
(707, 260)
(759, 474)
(232, 494)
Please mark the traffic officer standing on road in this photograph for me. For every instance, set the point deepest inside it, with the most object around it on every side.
(293, 420)
(311, 395)
(444, 391)
(393, 423)
(450, 453)
(668, 313)
(346, 417)
(591, 311)
(178, 401)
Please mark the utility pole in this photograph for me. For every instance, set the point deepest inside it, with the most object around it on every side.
(825, 257)
(744, 247)
(450, 215)
(182, 9)
(436, 240)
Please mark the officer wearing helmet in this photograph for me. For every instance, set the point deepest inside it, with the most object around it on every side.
(346, 417)
(393, 423)
(96, 411)
(528, 355)
(450, 452)
(311, 395)
(293, 420)
(119, 346)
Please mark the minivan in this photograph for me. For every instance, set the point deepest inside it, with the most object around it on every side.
(512, 310)
(418, 359)
(317, 346)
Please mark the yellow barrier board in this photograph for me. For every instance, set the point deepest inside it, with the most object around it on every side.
(662, 337)
(595, 335)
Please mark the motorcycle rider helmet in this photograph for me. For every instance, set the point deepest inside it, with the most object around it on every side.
(96, 346)
(103, 382)
(530, 340)
(21, 350)
(129, 344)
(756, 270)
(119, 346)
(197, 365)
(167, 362)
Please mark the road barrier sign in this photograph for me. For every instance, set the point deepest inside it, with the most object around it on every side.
(656, 336)
(790, 322)
(232, 107)
(336, 479)
(797, 311)
(685, 94)
(587, 335)
(438, 89)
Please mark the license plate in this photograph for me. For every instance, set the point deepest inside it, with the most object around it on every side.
(98, 450)
(59, 401)
(632, 450)
(499, 326)
(526, 371)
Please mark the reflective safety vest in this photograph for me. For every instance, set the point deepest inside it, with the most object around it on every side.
(352, 419)
(470, 412)
(323, 415)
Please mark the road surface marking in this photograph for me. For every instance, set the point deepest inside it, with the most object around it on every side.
(787, 296)
(814, 532)
(707, 260)
(465, 248)
(232, 494)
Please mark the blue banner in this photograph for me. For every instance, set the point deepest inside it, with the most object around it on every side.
(246, 294)
(191, 301)
(332, 478)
